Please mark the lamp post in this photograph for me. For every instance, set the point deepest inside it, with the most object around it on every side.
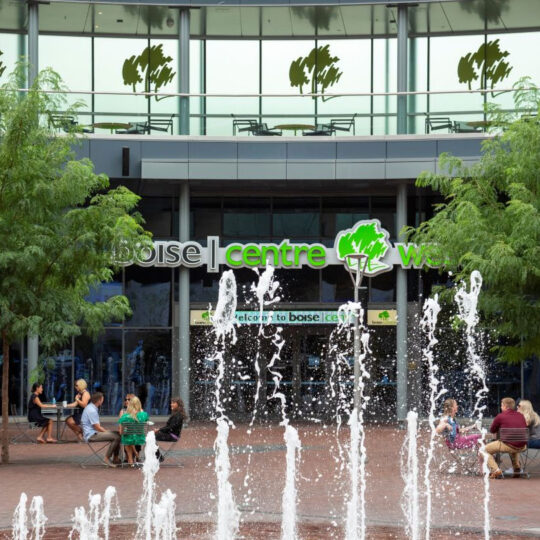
(357, 273)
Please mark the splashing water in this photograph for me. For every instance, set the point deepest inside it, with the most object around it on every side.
(428, 325)
(164, 517)
(94, 523)
(288, 525)
(356, 506)
(468, 312)
(223, 321)
(145, 515)
(410, 476)
(19, 522)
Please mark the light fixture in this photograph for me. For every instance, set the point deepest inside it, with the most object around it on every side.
(170, 21)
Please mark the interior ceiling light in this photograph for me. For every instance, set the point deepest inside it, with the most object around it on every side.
(100, 12)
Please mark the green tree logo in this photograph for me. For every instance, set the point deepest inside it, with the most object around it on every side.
(365, 238)
(151, 67)
(318, 69)
(384, 315)
(487, 65)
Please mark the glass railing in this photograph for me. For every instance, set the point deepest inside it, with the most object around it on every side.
(284, 114)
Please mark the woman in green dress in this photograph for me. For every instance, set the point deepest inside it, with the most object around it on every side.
(134, 413)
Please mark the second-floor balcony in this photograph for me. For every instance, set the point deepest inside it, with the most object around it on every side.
(278, 115)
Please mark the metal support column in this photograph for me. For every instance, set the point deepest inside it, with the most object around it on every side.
(183, 57)
(401, 301)
(402, 85)
(33, 35)
(401, 220)
(32, 350)
(181, 364)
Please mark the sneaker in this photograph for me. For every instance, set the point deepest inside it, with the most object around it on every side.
(496, 475)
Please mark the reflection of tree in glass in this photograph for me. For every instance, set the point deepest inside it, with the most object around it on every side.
(152, 16)
(2, 66)
(486, 64)
(318, 16)
(489, 10)
(150, 67)
(320, 66)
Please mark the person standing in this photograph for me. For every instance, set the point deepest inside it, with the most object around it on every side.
(93, 431)
(508, 418)
(36, 416)
(533, 422)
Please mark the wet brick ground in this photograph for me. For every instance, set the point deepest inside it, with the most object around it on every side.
(258, 473)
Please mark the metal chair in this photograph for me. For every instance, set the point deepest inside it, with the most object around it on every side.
(22, 428)
(169, 459)
(67, 123)
(134, 428)
(510, 435)
(463, 127)
(254, 127)
(448, 460)
(330, 128)
(436, 123)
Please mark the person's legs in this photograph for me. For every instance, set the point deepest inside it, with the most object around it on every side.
(129, 451)
(165, 437)
(534, 443)
(108, 436)
(41, 434)
(493, 448)
(466, 441)
(71, 424)
(49, 432)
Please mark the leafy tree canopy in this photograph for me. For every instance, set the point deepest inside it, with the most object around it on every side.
(490, 222)
(59, 225)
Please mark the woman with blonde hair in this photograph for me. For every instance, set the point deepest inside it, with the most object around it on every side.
(134, 413)
(82, 398)
(453, 433)
(533, 422)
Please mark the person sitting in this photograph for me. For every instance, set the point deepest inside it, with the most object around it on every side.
(81, 401)
(124, 408)
(35, 415)
(453, 433)
(533, 422)
(171, 430)
(134, 413)
(508, 418)
(93, 431)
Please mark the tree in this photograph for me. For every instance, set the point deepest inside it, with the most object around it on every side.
(490, 222)
(59, 228)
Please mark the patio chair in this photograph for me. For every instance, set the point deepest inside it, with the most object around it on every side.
(514, 434)
(254, 127)
(330, 128)
(166, 448)
(436, 123)
(448, 460)
(464, 127)
(67, 123)
(134, 428)
(160, 123)
(23, 427)
(137, 128)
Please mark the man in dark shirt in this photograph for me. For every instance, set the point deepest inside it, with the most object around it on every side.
(508, 418)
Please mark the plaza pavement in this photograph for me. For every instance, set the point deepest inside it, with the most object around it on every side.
(258, 475)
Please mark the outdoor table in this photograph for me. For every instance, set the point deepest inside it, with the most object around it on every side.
(479, 124)
(59, 408)
(111, 125)
(295, 127)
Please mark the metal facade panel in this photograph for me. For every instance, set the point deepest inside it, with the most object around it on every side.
(312, 150)
(408, 169)
(212, 150)
(470, 146)
(106, 154)
(361, 150)
(310, 170)
(262, 150)
(411, 149)
(213, 170)
(360, 170)
(262, 170)
(164, 150)
(164, 170)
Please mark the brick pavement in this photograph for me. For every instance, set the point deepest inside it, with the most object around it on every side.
(53, 472)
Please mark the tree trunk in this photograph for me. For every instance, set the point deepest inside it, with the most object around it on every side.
(5, 399)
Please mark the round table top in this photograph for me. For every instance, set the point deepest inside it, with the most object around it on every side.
(294, 127)
(111, 125)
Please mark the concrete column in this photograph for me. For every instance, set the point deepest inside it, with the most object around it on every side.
(402, 85)
(33, 35)
(183, 71)
(32, 353)
(181, 364)
(401, 301)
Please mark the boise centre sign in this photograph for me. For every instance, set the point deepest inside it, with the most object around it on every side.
(364, 238)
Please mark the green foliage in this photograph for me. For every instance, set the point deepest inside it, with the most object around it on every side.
(59, 223)
(319, 67)
(2, 66)
(490, 63)
(151, 67)
(365, 239)
(490, 222)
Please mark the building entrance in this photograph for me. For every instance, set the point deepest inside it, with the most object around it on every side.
(303, 361)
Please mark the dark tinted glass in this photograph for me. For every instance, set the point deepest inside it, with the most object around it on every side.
(157, 214)
(296, 219)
